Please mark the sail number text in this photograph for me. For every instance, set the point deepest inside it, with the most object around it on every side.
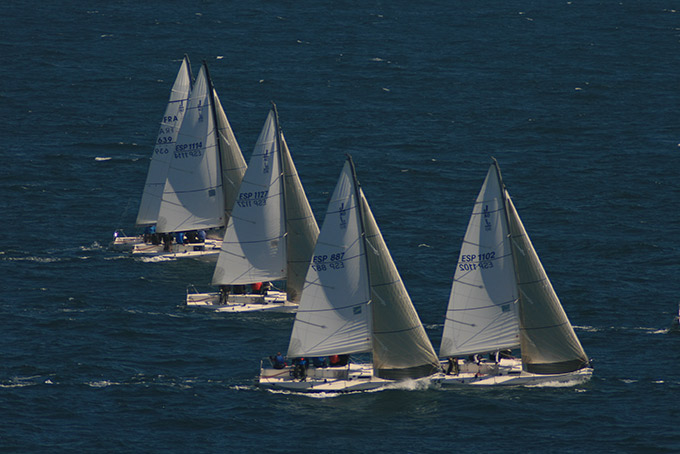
(326, 262)
(470, 262)
(249, 199)
(189, 150)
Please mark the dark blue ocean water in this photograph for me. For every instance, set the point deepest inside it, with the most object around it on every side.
(578, 100)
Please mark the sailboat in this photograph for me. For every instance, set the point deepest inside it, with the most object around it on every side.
(203, 171)
(353, 302)
(160, 160)
(501, 299)
(270, 236)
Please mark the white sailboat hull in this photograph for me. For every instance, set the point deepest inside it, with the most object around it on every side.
(126, 243)
(506, 373)
(351, 378)
(273, 301)
(207, 251)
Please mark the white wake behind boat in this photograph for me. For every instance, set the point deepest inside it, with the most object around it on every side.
(270, 236)
(501, 299)
(353, 302)
(160, 159)
(203, 169)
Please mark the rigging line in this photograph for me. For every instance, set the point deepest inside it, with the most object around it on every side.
(395, 331)
(384, 284)
(459, 322)
(364, 303)
(266, 185)
(312, 324)
(192, 191)
(330, 336)
(482, 307)
(479, 213)
(543, 279)
(467, 283)
(524, 328)
(340, 246)
(254, 241)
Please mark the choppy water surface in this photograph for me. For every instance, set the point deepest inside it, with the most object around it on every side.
(578, 102)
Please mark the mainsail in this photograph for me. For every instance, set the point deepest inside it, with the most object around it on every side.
(272, 229)
(354, 300)
(192, 196)
(334, 316)
(547, 339)
(482, 315)
(165, 145)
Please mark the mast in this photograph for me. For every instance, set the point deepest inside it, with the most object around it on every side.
(360, 210)
(191, 74)
(362, 223)
(213, 109)
(282, 177)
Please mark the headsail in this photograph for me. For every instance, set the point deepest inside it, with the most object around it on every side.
(302, 230)
(334, 315)
(547, 339)
(482, 314)
(192, 196)
(232, 162)
(254, 245)
(401, 348)
(165, 145)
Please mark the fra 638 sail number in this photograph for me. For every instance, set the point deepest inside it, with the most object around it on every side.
(326, 262)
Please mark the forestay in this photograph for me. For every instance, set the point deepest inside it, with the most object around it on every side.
(165, 145)
(482, 314)
(334, 316)
(547, 339)
(254, 246)
(192, 196)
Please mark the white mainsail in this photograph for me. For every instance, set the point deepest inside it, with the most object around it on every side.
(192, 196)
(482, 315)
(334, 317)
(548, 342)
(254, 245)
(354, 299)
(165, 144)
